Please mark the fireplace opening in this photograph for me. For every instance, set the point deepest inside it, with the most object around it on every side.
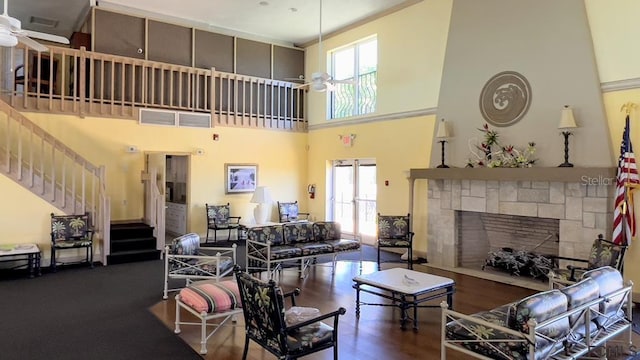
(518, 245)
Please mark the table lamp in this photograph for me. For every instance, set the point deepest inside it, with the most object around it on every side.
(567, 121)
(261, 197)
(442, 135)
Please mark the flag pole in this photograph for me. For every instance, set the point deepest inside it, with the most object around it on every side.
(627, 108)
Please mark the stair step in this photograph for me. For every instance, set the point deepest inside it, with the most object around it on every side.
(131, 230)
(146, 243)
(122, 257)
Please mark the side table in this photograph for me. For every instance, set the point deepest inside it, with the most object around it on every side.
(20, 253)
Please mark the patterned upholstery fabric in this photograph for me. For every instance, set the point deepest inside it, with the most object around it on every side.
(326, 230)
(289, 211)
(564, 337)
(300, 234)
(211, 297)
(578, 294)
(263, 306)
(264, 234)
(609, 280)
(393, 232)
(540, 307)
(343, 245)
(218, 215)
(466, 330)
(218, 218)
(189, 244)
(603, 253)
(71, 232)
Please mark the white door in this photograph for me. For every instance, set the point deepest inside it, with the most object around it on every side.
(353, 198)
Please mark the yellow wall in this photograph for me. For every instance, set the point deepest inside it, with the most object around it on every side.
(396, 146)
(24, 218)
(615, 30)
(281, 159)
(411, 48)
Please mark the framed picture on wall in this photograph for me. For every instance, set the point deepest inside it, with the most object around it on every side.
(240, 178)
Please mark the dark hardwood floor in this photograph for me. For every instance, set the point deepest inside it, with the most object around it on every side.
(377, 334)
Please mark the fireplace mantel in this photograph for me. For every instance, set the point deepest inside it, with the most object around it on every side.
(574, 174)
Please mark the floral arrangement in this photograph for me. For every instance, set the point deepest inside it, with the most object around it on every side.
(490, 153)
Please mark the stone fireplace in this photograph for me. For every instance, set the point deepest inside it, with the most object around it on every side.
(579, 199)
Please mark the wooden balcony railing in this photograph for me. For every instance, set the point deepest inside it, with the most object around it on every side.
(93, 84)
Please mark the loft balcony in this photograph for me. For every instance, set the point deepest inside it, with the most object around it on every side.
(85, 83)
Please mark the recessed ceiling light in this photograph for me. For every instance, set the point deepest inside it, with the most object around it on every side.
(264, 3)
(292, 9)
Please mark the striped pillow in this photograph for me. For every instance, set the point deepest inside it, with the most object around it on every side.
(210, 297)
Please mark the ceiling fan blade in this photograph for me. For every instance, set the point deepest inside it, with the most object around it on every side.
(31, 43)
(45, 36)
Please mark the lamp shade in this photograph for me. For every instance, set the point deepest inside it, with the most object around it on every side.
(443, 131)
(567, 121)
(261, 196)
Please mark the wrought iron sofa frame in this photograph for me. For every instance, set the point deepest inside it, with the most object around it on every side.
(260, 253)
(581, 339)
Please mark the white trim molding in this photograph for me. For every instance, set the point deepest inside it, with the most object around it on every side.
(373, 118)
(619, 85)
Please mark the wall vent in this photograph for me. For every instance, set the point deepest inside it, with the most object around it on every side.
(194, 120)
(174, 118)
(43, 21)
(158, 117)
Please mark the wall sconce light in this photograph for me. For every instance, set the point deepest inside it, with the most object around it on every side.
(567, 121)
(442, 135)
(347, 140)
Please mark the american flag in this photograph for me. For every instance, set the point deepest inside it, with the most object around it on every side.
(623, 217)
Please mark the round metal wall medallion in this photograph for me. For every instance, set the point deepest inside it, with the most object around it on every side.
(505, 98)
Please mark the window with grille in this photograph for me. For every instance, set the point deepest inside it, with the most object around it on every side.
(354, 69)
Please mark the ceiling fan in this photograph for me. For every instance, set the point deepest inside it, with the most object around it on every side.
(11, 33)
(321, 80)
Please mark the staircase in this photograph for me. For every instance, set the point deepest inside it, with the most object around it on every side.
(131, 242)
(42, 164)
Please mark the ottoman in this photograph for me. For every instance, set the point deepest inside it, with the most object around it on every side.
(208, 300)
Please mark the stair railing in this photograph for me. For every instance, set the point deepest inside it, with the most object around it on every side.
(41, 163)
(89, 83)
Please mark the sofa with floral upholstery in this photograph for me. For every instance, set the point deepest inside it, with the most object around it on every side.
(555, 324)
(270, 247)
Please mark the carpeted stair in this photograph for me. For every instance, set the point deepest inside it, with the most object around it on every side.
(132, 242)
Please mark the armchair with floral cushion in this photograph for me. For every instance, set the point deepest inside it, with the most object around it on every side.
(603, 253)
(268, 321)
(218, 218)
(289, 211)
(393, 232)
(71, 232)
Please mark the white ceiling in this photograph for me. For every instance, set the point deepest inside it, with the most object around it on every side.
(273, 20)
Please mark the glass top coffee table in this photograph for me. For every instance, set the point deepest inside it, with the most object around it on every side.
(406, 289)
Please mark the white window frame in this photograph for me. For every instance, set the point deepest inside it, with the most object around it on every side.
(356, 71)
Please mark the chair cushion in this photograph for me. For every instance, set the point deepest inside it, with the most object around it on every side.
(298, 232)
(315, 248)
(187, 244)
(609, 280)
(542, 306)
(309, 337)
(264, 234)
(210, 297)
(404, 242)
(343, 245)
(64, 244)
